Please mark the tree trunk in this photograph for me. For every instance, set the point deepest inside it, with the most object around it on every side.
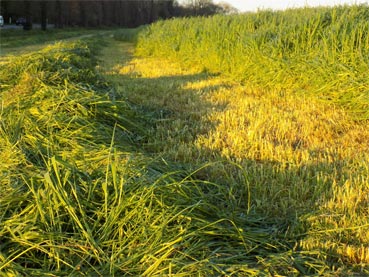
(28, 13)
(82, 13)
(43, 15)
(59, 14)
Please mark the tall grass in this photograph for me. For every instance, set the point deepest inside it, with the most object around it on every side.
(322, 52)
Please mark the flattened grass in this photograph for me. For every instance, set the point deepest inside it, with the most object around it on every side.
(11, 38)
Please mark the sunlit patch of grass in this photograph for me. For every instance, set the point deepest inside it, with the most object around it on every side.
(319, 158)
(281, 127)
(150, 70)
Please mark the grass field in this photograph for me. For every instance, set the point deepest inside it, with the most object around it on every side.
(141, 159)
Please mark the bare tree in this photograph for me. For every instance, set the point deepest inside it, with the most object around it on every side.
(226, 8)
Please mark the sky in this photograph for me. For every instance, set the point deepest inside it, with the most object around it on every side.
(253, 5)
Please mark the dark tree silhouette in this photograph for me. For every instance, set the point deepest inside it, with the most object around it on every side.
(43, 5)
(95, 13)
(28, 13)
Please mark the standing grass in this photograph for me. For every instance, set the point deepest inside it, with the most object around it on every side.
(321, 52)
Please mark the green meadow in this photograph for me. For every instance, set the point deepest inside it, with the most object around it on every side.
(211, 146)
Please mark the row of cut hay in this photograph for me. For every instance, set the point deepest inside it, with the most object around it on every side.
(11, 38)
(322, 52)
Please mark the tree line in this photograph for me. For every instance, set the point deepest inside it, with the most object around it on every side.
(104, 13)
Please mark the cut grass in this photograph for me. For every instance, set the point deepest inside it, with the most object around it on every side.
(11, 38)
(18, 42)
